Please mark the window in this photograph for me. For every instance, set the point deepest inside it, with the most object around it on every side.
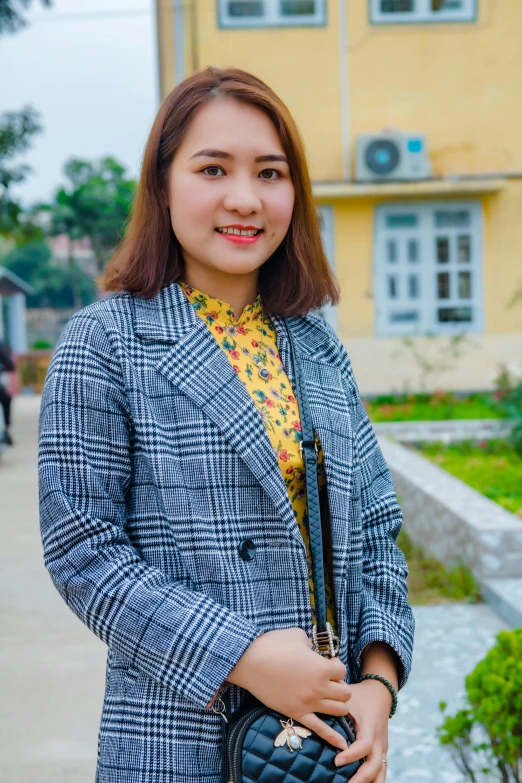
(401, 11)
(427, 267)
(271, 13)
(326, 222)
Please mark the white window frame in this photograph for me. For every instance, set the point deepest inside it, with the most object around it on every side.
(423, 13)
(428, 302)
(326, 219)
(272, 17)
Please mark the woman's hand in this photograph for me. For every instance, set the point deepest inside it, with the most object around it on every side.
(283, 672)
(369, 708)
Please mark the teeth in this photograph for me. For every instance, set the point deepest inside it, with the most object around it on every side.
(238, 232)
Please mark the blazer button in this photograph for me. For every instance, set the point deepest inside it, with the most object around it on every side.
(247, 549)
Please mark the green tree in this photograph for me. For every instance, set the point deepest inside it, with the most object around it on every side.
(63, 221)
(12, 18)
(95, 203)
(54, 285)
(16, 132)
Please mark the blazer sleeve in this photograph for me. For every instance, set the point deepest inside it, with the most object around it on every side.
(178, 636)
(386, 615)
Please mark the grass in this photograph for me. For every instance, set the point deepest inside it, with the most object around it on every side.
(433, 407)
(430, 582)
(491, 467)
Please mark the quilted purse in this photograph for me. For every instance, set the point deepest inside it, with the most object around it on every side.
(261, 745)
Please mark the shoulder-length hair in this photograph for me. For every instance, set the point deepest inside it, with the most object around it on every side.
(296, 278)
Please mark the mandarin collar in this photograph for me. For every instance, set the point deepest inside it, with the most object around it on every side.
(217, 311)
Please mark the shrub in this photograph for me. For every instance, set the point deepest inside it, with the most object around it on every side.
(493, 713)
(41, 345)
(509, 400)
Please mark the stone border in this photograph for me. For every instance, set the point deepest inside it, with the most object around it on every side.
(445, 430)
(505, 596)
(451, 520)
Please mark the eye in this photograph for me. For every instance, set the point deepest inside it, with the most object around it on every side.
(275, 171)
(216, 168)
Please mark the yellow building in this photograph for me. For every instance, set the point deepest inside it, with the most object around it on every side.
(411, 111)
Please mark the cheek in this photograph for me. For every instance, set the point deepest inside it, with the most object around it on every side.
(189, 202)
(281, 208)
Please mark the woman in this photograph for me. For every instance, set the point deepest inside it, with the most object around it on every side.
(172, 507)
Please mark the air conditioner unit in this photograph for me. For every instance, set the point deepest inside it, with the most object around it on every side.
(391, 156)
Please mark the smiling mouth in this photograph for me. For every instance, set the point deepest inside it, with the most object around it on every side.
(240, 233)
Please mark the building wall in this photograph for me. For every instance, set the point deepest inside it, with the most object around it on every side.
(459, 84)
(502, 266)
(452, 81)
(301, 64)
(503, 259)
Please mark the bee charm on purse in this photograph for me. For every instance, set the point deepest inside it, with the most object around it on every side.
(291, 735)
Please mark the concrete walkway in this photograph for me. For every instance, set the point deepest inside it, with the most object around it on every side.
(52, 667)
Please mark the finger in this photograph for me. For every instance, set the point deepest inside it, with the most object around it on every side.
(336, 669)
(381, 777)
(357, 750)
(338, 691)
(315, 724)
(369, 771)
(331, 707)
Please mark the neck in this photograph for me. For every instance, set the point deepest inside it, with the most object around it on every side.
(236, 290)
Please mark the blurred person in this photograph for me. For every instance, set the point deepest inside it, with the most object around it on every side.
(6, 365)
(172, 498)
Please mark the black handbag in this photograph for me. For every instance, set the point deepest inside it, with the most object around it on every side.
(261, 745)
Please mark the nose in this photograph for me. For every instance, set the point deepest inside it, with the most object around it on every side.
(241, 195)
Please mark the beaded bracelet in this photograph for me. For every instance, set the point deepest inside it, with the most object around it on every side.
(388, 685)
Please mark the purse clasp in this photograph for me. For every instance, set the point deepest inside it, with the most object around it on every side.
(325, 643)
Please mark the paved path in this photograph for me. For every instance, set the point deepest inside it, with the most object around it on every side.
(52, 667)
(449, 641)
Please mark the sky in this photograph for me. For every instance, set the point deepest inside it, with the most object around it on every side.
(90, 68)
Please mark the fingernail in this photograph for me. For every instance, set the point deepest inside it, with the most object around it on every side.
(338, 761)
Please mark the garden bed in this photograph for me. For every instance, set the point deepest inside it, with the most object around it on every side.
(438, 406)
(491, 467)
(454, 523)
(430, 582)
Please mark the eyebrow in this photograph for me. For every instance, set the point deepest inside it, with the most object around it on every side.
(211, 153)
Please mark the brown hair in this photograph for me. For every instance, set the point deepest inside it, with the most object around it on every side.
(296, 278)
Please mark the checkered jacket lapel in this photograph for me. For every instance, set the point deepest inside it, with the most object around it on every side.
(196, 364)
(198, 367)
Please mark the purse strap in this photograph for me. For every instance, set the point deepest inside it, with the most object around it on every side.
(324, 640)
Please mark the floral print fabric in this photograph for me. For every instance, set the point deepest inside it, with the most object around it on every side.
(250, 345)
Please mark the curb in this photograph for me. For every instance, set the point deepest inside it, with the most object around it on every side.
(505, 597)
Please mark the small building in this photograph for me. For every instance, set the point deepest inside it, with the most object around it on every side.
(410, 111)
(63, 248)
(13, 293)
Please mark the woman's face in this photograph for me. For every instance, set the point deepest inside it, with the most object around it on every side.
(217, 180)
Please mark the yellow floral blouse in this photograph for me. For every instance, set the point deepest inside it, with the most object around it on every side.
(251, 347)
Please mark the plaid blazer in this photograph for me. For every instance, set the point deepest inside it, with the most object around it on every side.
(154, 466)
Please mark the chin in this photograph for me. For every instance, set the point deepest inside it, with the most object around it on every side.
(239, 268)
